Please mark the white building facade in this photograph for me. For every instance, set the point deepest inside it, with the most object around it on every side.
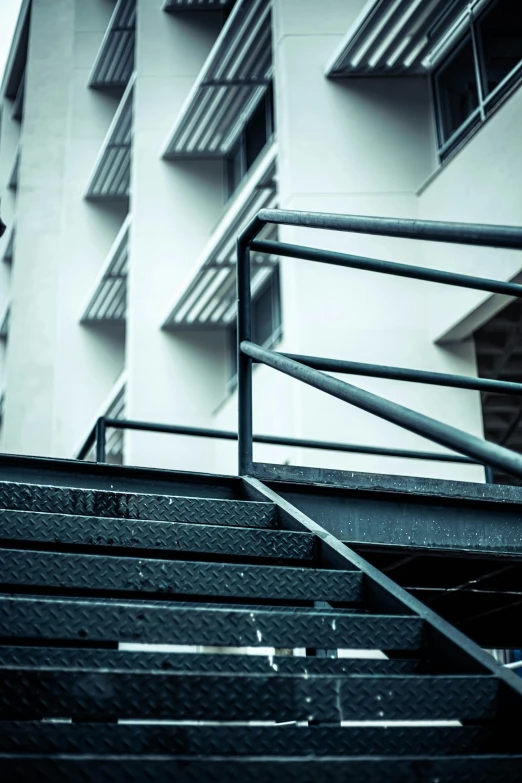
(138, 137)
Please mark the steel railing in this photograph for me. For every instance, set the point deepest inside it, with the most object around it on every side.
(96, 440)
(309, 369)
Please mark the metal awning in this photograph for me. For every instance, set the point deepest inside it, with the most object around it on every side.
(9, 246)
(208, 301)
(17, 57)
(110, 179)
(4, 325)
(18, 105)
(108, 301)
(12, 182)
(114, 63)
(229, 86)
(197, 5)
(395, 37)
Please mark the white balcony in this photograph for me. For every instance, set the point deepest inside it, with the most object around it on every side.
(236, 74)
(395, 37)
(114, 64)
(208, 297)
(110, 180)
(107, 302)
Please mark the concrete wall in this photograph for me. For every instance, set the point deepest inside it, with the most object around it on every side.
(175, 206)
(63, 370)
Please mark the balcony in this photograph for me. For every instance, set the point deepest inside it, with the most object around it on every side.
(208, 299)
(107, 303)
(236, 74)
(114, 64)
(110, 180)
(395, 37)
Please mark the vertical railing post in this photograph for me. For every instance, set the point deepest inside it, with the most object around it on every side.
(489, 474)
(244, 363)
(100, 439)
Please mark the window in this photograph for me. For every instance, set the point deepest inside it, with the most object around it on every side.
(266, 322)
(456, 87)
(499, 37)
(251, 142)
(478, 72)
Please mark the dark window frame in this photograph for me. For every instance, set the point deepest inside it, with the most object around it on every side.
(487, 104)
(240, 145)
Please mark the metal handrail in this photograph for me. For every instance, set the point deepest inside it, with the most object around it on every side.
(97, 440)
(477, 449)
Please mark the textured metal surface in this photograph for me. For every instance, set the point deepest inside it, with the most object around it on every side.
(76, 693)
(19, 737)
(163, 622)
(131, 769)
(78, 658)
(125, 505)
(20, 568)
(63, 529)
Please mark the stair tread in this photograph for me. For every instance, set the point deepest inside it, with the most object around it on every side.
(187, 695)
(215, 769)
(206, 661)
(174, 577)
(34, 737)
(163, 622)
(65, 529)
(128, 505)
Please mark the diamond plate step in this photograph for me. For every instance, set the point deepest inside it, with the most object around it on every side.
(125, 505)
(33, 526)
(77, 693)
(168, 623)
(20, 568)
(176, 769)
(37, 737)
(35, 657)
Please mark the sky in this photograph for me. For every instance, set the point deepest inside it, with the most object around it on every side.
(8, 16)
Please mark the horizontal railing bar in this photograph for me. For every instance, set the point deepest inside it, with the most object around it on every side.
(387, 267)
(444, 434)
(171, 429)
(405, 374)
(275, 440)
(430, 230)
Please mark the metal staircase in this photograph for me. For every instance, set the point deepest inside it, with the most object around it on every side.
(93, 566)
